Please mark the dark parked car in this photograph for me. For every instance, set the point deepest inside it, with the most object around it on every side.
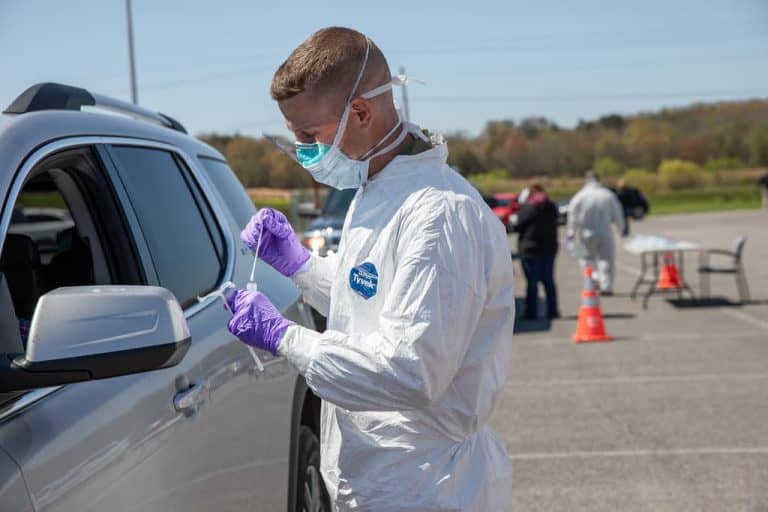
(633, 202)
(323, 233)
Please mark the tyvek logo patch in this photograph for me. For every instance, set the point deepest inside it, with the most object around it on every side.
(364, 280)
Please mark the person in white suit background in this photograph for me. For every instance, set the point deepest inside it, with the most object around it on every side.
(592, 214)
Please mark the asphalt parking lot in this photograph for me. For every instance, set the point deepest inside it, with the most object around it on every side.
(671, 416)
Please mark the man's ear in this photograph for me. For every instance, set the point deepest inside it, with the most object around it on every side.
(360, 110)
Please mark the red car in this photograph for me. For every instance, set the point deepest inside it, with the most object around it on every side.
(504, 205)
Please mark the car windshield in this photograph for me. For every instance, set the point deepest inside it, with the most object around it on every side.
(503, 202)
(491, 201)
(338, 201)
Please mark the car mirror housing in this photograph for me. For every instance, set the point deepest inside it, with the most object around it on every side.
(97, 332)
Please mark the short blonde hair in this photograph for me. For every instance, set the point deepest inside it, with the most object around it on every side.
(327, 64)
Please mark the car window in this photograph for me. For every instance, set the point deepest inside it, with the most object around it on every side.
(234, 195)
(503, 202)
(55, 237)
(38, 257)
(39, 193)
(182, 245)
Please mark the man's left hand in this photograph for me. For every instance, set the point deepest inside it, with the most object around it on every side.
(256, 321)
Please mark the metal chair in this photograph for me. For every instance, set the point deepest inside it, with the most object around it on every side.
(733, 266)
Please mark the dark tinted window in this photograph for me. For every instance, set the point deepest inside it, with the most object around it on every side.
(182, 244)
(234, 195)
(338, 202)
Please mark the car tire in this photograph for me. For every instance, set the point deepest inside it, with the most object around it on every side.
(312, 494)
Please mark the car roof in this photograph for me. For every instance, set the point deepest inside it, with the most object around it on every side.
(22, 134)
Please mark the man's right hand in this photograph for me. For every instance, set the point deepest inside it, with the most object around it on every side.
(280, 247)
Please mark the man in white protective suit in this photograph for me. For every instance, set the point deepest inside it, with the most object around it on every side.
(591, 213)
(419, 297)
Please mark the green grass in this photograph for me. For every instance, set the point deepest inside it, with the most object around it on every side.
(731, 194)
(706, 200)
(284, 205)
(42, 200)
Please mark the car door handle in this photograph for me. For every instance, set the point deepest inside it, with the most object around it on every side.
(189, 398)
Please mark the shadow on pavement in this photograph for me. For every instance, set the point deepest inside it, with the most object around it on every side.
(523, 325)
(538, 325)
(711, 302)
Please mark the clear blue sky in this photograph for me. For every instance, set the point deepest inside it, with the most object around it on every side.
(209, 63)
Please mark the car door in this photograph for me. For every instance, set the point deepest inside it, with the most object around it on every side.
(13, 493)
(236, 455)
(149, 441)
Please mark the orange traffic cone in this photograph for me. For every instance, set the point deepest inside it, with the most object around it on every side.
(669, 277)
(590, 326)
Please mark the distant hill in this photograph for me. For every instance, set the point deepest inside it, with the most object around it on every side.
(720, 135)
(735, 133)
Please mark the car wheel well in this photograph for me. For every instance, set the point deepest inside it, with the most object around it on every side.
(310, 412)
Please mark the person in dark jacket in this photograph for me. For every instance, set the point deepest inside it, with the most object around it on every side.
(537, 246)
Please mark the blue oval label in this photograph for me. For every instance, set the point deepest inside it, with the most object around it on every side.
(364, 280)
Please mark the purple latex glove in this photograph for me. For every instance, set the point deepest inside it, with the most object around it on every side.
(256, 321)
(280, 247)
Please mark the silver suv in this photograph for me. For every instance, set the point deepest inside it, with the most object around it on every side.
(119, 388)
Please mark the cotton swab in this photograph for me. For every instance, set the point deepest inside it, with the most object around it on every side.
(220, 293)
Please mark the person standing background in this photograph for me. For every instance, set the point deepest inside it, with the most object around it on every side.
(591, 213)
(537, 245)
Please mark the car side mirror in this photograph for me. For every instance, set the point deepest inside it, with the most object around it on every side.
(95, 332)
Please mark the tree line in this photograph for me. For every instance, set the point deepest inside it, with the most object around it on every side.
(716, 136)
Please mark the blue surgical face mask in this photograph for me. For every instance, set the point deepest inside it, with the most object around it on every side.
(310, 154)
(329, 165)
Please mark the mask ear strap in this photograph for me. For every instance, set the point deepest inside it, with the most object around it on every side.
(343, 123)
(389, 147)
(362, 70)
(396, 80)
(388, 135)
(377, 91)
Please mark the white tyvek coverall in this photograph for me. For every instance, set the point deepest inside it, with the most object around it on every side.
(410, 376)
(590, 214)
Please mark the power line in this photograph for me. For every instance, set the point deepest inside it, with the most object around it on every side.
(761, 92)
(576, 44)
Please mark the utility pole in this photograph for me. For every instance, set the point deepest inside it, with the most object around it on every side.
(406, 109)
(131, 58)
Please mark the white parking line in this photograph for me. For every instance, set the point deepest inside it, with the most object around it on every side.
(566, 340)
(758, 450)
(641, 379)
(739, 315)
